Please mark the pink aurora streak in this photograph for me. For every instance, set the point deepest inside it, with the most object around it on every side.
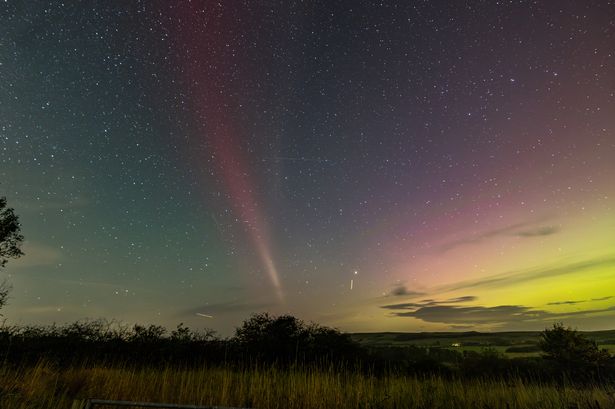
(206, 64)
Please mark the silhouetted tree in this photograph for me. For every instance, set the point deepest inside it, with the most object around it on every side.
(10, 233)
(4, 293)
(10, 242)
(572, 352)
(149, 334)
(270, 338)
(285, 339)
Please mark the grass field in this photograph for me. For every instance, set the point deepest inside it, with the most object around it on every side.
(45, 387)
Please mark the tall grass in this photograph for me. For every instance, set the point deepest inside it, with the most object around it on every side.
(45, 386)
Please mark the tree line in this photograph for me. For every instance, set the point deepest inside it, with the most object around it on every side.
(285, 341)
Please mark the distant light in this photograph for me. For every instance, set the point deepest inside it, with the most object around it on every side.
(204, 315)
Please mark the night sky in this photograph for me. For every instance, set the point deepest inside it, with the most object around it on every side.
(398, 166)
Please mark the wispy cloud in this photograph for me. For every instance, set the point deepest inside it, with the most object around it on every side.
(37, 254)
(402, 291)
(517, 277)
(525, 229)
(602, 298)
(448, 311)
(567, 302)
(501, 314)
(573, 302)
(465, 298)
(226, 307)
(428, 303)
(402, 306)
(473, 314)
(539, 231)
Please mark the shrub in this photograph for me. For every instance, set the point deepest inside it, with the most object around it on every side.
(574, 354)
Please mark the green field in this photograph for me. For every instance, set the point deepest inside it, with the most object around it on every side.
(473, 341)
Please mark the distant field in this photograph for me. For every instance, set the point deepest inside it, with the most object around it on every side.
(472, 341)
(609, 347)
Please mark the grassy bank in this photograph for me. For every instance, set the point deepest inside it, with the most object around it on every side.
(44, 386)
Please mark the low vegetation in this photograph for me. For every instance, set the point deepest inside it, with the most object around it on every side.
(282, 362)
(47, 386)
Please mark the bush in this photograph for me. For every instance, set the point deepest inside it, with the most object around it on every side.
(286, 339)
(575, 355)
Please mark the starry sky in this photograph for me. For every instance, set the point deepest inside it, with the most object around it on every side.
(373, 166)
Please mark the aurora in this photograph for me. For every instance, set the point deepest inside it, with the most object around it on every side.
(367, 166)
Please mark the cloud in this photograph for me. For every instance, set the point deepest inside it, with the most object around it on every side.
(540, 231)
(465, 298)
(36, 254)
(567, 302)
(402, 291)
(460, 311)
(473, 315)
(501, 314)
(402, 306)
(226, 307)
(428, 303)
(525, 230)
(517, 277)
(602, 298)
